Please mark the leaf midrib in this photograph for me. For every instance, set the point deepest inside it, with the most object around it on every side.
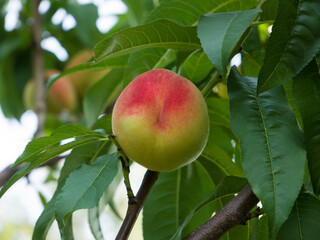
(224, 36)
(269, 152)
(124, 50)
(219, 165)
(91, 183)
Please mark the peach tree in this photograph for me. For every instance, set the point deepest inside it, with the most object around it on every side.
(258, 176)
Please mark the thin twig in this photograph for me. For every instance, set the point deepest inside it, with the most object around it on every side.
(135, 207)
(233, 213)
(8, 172)
(125, 167)
(215, 78)
(38, 69)
(135, 203)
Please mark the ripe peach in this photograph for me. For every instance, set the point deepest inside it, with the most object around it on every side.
(161, 120)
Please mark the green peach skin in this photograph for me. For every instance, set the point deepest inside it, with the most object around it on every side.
(161, 121)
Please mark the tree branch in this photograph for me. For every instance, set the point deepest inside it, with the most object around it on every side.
(8, 172)
(38, 69)
(135, 205)
(233, 213)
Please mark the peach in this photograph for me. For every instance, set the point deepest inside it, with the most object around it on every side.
(61, 95)
(83, 80)
(160, 120)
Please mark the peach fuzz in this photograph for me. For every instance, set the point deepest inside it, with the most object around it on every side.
(161, 120)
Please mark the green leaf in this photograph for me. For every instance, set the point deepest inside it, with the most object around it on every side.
(103, 122)
(82, 155)
(218, 111)
(45, 220)
(47, 217)
(253, 41)
(229, 186)
(197, 67)
(214, 171)
(66, 231)
(188, 12)
(292, 103)
(269, 10)
(101, 94)
(115, 62)
(145, 60)
(263, 229)
(252, 63)
(220, 33)
(173, 196)
(37, 147)
(85, 186)
(43, 157)
(15, 71)
(162, 33)
(77, 157)
(306, 91)
(304, 220)
(273, 162)
(294, 41)
(219, 149)
(94, 223)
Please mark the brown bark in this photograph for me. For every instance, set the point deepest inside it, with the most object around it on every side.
(38, 69)
(8, 172)
(233, 213)
(135, 205)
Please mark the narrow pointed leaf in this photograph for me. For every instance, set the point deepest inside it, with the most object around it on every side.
(45, 156)
(306, 90)
(145, 60)
(304, 220)
(37, 146)
(45, 221)
(85, 186)
(66, 230)
(219, 34)
(103, 122)
(116, 62)
(263, 125)
(292, 103)
(219, 149)
(263, 229)
(73, 161)
(188, 12)
(94, 223)
(197, 67)
(269, 10)
(173, 196)
(229, 186)
(294, 41)
(162, 33)
(252, 63)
